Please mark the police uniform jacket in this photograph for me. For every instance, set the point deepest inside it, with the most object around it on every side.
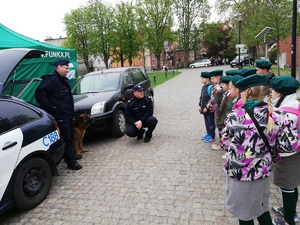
(139, 109)
(54, 95)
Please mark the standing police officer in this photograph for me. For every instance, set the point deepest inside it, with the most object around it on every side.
(139, 114)
(54, 96)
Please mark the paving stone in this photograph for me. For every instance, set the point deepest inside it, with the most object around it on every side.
(174, 179)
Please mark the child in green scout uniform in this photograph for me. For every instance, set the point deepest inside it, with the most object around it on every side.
(226, 100)
(215, 98)
(287, 170)
(206, 112)
(263, 67)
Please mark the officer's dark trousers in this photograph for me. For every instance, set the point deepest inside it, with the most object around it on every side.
(66, 132)
(210, 124)
(132, 131)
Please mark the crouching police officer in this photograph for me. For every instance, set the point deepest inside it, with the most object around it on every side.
(54, 96)
(139, 115)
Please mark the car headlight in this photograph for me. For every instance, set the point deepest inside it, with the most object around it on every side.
(98, 108)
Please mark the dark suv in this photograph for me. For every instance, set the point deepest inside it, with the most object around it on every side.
(245, 59)
(104, 94)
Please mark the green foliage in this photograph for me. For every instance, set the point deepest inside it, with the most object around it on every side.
(216, 38)
(190, 14)
(273, 55)
(126, 41)
(154, 23)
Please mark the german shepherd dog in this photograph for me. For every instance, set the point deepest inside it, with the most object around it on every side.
(80, 124)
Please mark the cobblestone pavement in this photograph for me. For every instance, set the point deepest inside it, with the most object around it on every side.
(174, 179)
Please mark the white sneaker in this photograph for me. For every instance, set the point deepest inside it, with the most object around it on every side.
(216, 147)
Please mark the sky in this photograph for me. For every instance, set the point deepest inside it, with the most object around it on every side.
(40, 19)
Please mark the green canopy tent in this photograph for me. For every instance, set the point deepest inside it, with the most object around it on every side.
(26, 77)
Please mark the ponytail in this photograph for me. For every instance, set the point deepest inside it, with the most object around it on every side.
(270, 119)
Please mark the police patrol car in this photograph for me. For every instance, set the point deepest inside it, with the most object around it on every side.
(30, 149)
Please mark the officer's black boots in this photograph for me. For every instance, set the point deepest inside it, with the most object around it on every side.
(141, 134)
(148, 136)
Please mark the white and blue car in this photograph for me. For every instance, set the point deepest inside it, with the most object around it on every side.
(30, 150)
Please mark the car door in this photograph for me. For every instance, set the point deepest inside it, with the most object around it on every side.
(10, 146)
(128, 80)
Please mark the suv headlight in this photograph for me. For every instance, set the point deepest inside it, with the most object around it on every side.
(98, 108)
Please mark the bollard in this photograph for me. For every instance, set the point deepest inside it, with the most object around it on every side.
(154, 78)
(166, 74)
(173, 72)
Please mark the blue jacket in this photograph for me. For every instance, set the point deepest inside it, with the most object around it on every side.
(54, 96)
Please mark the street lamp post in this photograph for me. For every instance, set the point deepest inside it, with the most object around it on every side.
(240, 23)
(294, 39)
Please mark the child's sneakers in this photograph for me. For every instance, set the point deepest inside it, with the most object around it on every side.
(280, 212)
(209, 139)
(216, 146)
(204, 136)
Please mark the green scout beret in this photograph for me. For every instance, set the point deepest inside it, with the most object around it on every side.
(231, 72)
(252, 81)
(263, 64)
(236, 78)
(216, 73)
(205, 74)
(285, 85)
(226, 79)
(247, 72)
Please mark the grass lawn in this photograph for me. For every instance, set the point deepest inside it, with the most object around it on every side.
(160, 77)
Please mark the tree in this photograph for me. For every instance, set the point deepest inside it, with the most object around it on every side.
(126, 41)
(215, 38)
(77, 24)
(190, 14)
(100, 29)
(155, 22)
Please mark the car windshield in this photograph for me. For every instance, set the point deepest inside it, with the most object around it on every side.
(99, 82)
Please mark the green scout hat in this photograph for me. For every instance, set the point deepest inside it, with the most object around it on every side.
(205, 74)
(236, 78)
(226, 79)
(247, 72)
(231, 72)
(285, 85)
(263, 64)
(216, 73)
(252, 81)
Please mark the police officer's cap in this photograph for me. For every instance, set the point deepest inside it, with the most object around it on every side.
(285, 85)
(137, 88)
(263, 64)
(61, 62)
(205, 74)
(247, 72)
(226, 79)
(216, 73)
(252, 81)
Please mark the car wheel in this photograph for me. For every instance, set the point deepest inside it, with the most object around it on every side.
(231, 66)
(31, 184)
(206, 65)
(119, 124)
(192, 67)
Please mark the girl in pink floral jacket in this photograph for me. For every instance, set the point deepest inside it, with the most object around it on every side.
(248, 161)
